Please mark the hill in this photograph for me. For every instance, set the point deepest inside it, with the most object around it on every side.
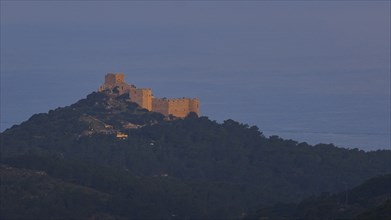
(158, 167)
(369, 200)
(28, 194)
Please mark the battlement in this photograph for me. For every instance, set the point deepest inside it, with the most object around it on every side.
(178, 107)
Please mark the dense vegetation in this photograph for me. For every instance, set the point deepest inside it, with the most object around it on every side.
(29, 194)
(370, 200)
(183, 168)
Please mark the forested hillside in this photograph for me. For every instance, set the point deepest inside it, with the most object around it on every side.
(370, 201)
(179, 168)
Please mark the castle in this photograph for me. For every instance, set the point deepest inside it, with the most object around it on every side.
(178, 107)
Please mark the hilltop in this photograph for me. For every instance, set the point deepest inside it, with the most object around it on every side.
(150, 166)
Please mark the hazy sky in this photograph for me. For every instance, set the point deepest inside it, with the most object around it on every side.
(311, 71)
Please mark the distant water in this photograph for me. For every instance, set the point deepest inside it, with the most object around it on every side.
(335, 131)
(346, 120)
(361, 141)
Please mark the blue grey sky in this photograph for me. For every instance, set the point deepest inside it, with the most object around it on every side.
(310, 71)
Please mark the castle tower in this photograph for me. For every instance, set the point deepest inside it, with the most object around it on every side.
(115, 80)
(112, 79)
(194, 106)
(143, 97)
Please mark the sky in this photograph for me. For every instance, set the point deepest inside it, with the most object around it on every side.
(315, 72)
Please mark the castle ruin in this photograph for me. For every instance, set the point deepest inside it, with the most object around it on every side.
(178, 107)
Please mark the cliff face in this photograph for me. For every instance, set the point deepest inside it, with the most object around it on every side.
(179, 107)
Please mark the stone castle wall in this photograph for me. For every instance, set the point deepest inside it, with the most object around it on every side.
(143, 97)
(160, 105)
(182, 107)
(194, 106)
(179, 107)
